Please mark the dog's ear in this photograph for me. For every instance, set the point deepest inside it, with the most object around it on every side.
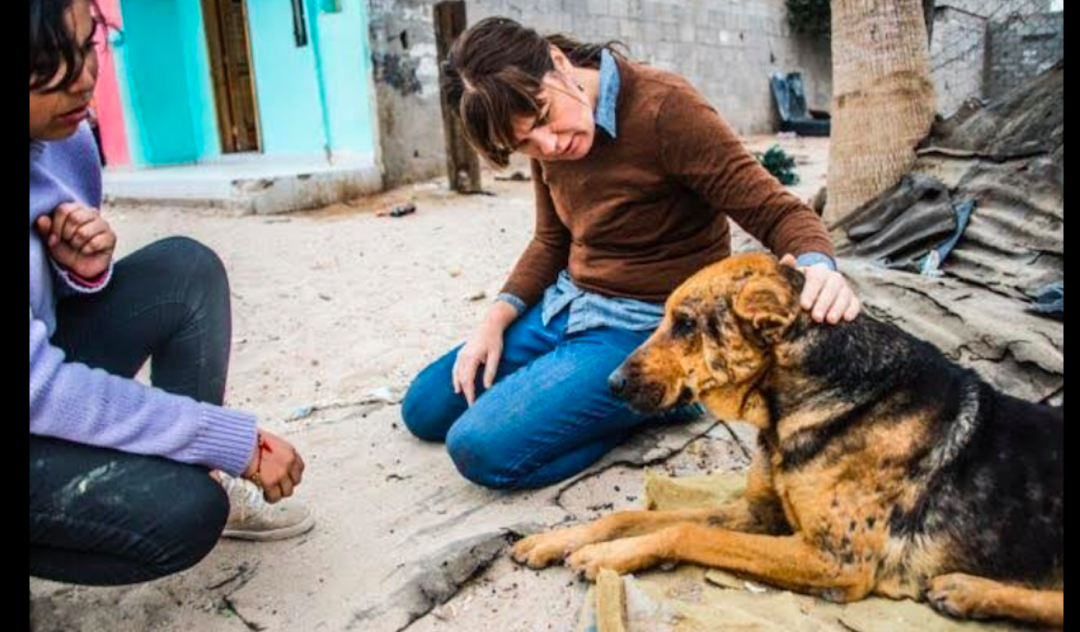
(769, 305)
(795, 277)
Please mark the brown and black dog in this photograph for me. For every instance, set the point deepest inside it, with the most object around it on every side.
(883, 467)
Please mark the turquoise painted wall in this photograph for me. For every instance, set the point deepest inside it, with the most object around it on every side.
(310, 98)
(200, 81)
(345, 61)
(167, 85)
(290, 108)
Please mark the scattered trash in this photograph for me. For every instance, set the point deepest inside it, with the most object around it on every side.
(302, 413)
(401, 210)
(930, 265)
(789, 94)
(383, 394)
(1051, 300)
(517, 176)
(780, 164)
(373, 400)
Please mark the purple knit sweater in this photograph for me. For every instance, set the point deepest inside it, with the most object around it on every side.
(73, 402)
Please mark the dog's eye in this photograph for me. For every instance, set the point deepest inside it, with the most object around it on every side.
(683, 327)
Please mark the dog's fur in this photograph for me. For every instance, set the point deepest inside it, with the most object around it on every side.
(883, 467)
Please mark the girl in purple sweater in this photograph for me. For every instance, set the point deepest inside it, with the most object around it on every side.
(128, 483)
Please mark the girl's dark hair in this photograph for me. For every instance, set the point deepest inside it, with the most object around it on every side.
(53, 46)
(496, 71)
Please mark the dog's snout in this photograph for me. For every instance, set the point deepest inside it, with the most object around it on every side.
(618, 382)
(629, 384)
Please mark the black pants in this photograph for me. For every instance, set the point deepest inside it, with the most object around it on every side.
(102, 517)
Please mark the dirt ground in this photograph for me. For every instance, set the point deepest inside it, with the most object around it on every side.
(335, 311)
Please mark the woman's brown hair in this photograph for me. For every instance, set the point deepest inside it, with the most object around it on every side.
(495, 71)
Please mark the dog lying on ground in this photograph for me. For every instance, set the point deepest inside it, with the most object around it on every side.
(883, 468)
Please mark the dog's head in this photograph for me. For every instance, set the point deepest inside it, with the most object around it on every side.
(716, 340)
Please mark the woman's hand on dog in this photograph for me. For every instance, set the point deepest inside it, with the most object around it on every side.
(485, 347)
(827, 295)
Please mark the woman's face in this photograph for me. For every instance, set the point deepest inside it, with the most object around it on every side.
(55, 115)
(566, 127)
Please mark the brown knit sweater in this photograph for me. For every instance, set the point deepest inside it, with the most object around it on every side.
(642, 213)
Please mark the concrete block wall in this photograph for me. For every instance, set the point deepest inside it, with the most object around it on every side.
(727, 48)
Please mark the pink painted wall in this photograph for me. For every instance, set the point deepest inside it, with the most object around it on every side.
(107, 97)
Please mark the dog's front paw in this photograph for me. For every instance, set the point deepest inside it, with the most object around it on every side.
(543, 550)
(960, 596)
(621, 556)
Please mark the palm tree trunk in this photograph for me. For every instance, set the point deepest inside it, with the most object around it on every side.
(883, 98)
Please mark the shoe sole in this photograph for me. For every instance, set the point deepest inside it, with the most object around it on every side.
(271, 536)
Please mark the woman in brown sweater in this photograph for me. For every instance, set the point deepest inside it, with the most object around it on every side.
(636, 178)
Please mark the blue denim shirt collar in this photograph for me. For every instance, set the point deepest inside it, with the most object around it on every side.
(610, 85)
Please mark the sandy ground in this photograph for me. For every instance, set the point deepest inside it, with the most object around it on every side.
(334, 310)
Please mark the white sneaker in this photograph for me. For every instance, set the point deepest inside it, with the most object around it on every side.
(252, 518)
